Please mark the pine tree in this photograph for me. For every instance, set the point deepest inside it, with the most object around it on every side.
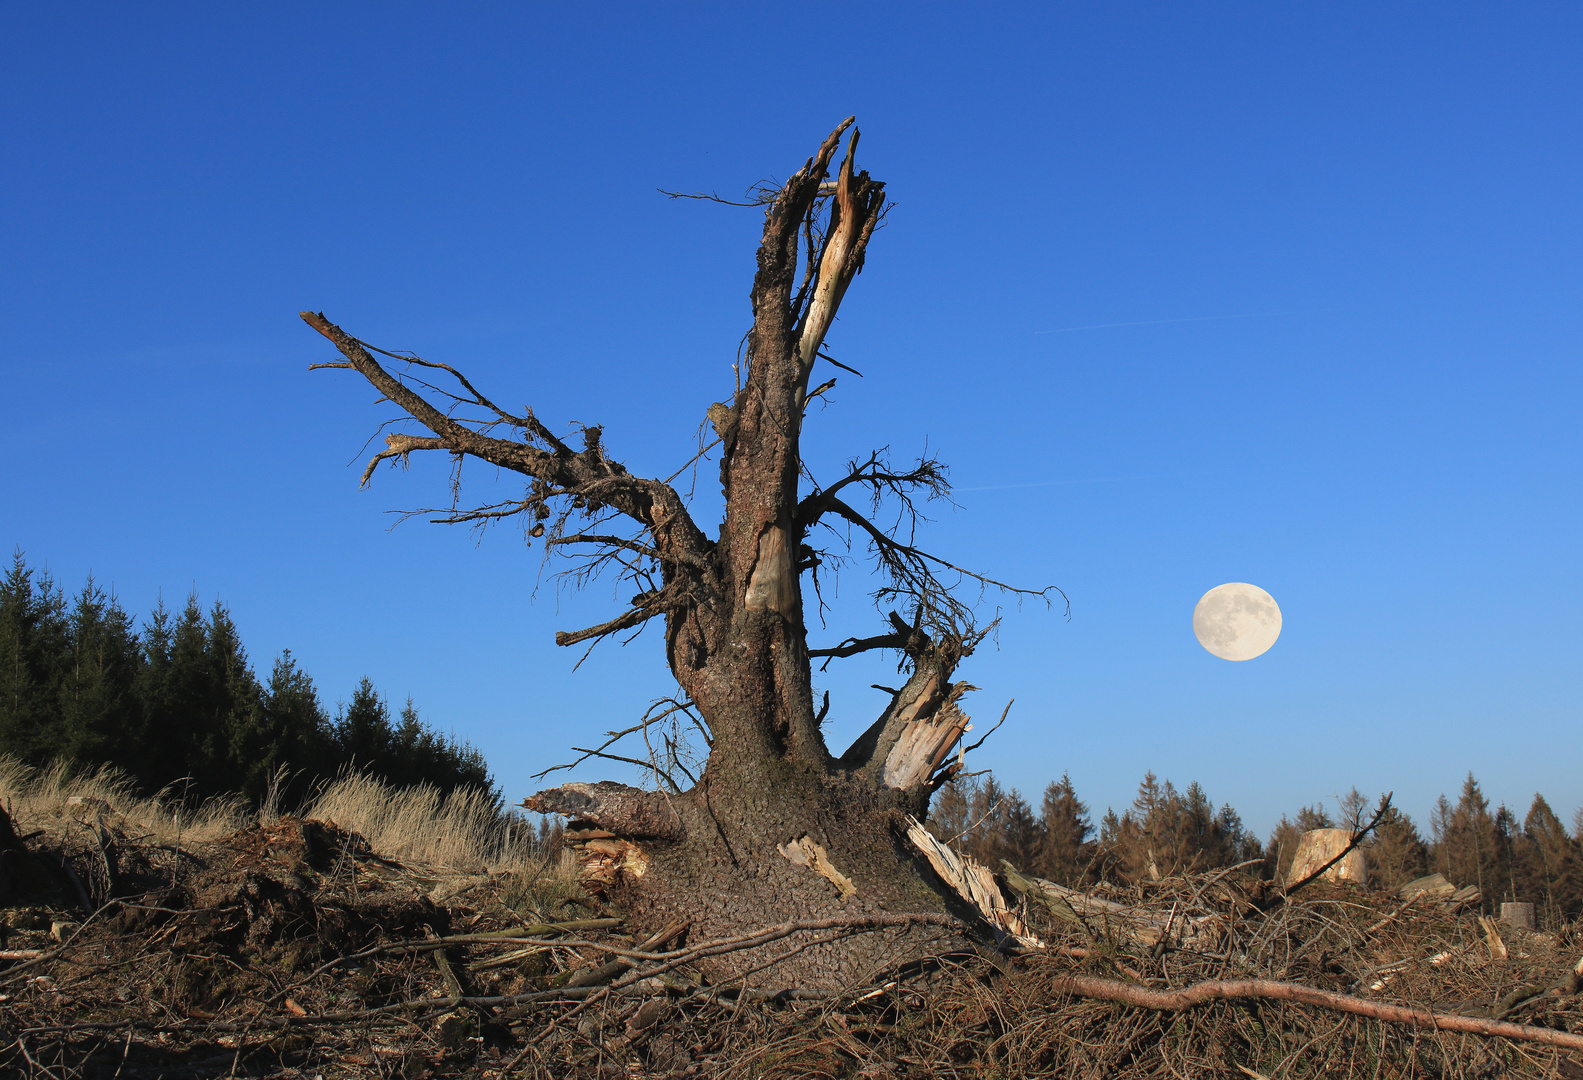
(363, 734)
(1200, 844)
(1551, 867)
(34, 649)
(284, 732)
(1238, 844)
(99, 714)
(1064, 830)
(1467, 844)
(1017, 834)
(980, 842)
(948, 811)
(1395, 851)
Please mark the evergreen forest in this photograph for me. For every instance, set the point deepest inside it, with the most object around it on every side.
(174, 703)
(1166, 831)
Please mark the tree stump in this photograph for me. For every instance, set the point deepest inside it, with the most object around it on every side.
(1319, 846)
(1518, 916)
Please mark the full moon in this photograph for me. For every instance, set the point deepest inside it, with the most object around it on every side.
(1237, 621)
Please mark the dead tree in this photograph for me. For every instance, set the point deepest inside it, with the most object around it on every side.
(778, 826)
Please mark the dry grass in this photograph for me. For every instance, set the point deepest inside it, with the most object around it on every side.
(462, 831)
(54, 797)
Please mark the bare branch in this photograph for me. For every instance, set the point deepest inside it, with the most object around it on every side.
(852, 646)
(631, 545)
(1143, 997)
(1356, 839)
(626, 620)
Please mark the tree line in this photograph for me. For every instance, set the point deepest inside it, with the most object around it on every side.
(174, 703)
(1167, 831)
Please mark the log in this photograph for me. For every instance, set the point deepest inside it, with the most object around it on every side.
(1146, 926)
(1319, 846)
(624, 811)
(1435, 886)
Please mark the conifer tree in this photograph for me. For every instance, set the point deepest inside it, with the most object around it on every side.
(284, 731)
(1064, 831)
(362, 730)
(1017, 834)
(1395, 852)
(1551, 870)
(99, 713)
(1466, 841)
(948, 814)
(34, 644)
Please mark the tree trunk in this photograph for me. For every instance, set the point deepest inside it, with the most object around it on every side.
(777, 827)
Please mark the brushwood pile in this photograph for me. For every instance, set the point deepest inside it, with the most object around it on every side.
(293, 948)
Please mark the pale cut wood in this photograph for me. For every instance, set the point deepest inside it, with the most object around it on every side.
(1492, 938)
(1435, 885)
(1518, 916)
(1319, 846)
(805, 852)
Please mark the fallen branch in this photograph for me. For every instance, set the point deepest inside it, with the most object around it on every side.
(527, 935)
(1266, 989)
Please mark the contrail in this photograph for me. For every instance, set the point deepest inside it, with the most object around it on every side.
(1153, 322)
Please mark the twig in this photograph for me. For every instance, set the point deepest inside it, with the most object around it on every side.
(1394, 915)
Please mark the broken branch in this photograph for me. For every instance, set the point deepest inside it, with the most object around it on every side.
(1236, 989)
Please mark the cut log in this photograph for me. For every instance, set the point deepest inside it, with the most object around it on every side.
(1434, 886)
(1318, 847)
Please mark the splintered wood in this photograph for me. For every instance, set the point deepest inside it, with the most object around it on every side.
(974, 883)
(604, 858)
(804, 852)
(925, 740)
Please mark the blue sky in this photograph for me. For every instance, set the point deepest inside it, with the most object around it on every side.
(1185, 294)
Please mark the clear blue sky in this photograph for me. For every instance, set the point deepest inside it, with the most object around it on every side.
(1186, 294)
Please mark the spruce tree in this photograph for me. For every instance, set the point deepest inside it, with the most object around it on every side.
(363, 736)
(284, 731)
(1395, 851)
(35, 643)
(1064, 830)
(1551, 867)
(100, 716)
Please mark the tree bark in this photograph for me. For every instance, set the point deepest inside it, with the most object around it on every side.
(777, 826)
